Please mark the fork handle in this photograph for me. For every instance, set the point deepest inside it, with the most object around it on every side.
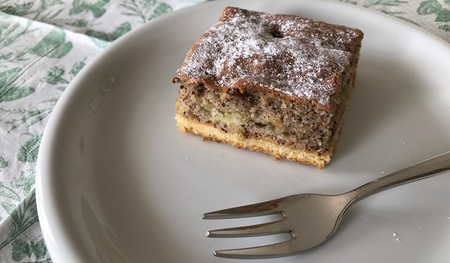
(422, 170)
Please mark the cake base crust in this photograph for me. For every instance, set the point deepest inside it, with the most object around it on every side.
(209, 132)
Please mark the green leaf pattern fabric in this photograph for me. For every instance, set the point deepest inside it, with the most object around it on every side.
(44, 44)
(53, 45)
(431, 15)
(10, 92)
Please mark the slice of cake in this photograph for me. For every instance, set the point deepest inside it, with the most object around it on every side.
(277, 84)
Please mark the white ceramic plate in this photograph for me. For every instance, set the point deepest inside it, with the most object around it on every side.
(117, 182)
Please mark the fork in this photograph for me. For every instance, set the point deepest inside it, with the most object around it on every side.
(311, 219)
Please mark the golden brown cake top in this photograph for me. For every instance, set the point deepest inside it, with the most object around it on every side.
(284, 54)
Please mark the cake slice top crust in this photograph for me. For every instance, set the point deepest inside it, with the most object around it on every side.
(287, 55)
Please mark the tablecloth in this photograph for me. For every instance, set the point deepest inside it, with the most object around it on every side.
(45, 43)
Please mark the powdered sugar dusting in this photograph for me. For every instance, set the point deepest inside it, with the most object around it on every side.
(292, 55)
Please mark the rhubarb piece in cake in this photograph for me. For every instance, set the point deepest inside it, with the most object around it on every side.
(277, 84)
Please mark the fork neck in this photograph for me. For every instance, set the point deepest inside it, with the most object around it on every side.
(422, 170)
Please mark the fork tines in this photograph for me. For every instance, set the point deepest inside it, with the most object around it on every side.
(259, 209)
(269, 251)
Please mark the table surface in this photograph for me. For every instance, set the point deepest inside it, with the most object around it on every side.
(45, 43)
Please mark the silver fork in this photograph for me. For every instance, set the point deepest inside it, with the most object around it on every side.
(311, 219)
